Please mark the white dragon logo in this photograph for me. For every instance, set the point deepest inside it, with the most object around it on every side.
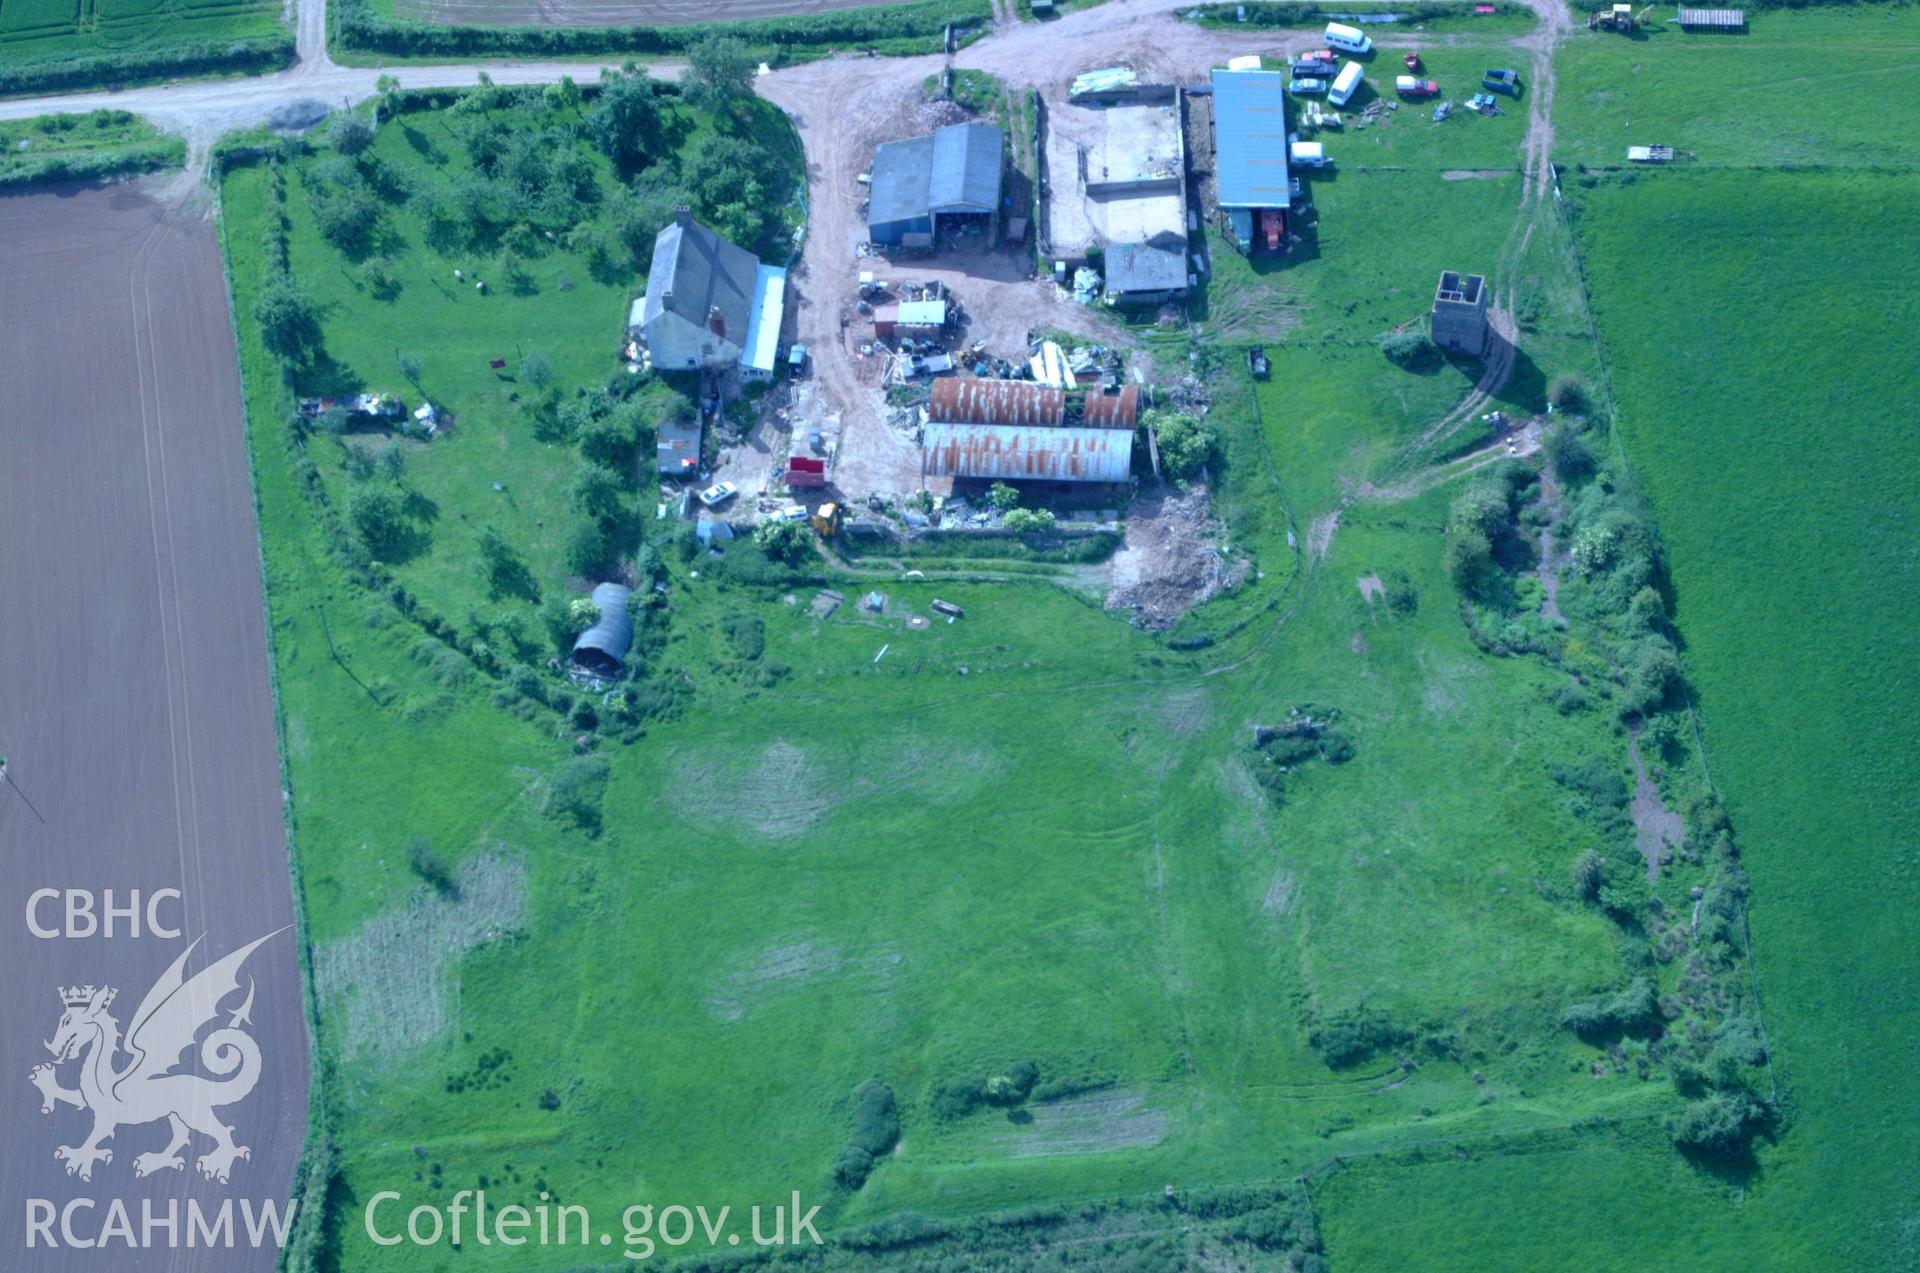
(144, 1090)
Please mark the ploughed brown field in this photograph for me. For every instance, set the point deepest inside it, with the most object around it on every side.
(136, 708)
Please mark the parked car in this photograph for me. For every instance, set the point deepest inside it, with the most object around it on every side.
(718, 493)
(1311, 69)
(1409, 86)
(1302, 88)
(1319, 55)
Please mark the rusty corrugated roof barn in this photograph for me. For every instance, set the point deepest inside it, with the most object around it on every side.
(1014, 430)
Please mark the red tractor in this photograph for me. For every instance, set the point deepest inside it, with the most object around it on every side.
(1412, 60)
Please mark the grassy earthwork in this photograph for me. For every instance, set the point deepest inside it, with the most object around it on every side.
(853, 849)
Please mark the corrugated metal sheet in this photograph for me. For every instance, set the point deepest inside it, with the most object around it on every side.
(1012, 453)
(971, 400)
(1250, 138)
(1145, 267)
(1105, 79)
(602, 646)
(763, 328)
(1113, 410)
(966, 168)
(902, 173)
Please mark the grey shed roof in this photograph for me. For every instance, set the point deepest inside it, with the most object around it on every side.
(1145, 267)
(601, 647)
(694, 272)
(957, 169)
(1250, 138)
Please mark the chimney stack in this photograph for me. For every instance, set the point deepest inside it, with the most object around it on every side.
(717, 322)
(683, 215)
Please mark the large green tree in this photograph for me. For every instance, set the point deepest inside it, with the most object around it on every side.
(288, 319)
(625, 120)
(719, 71)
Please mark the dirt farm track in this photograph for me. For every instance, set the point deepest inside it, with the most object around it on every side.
(610, 13)
(136, 710)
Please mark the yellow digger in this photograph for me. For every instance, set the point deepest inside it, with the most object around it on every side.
(826, 520)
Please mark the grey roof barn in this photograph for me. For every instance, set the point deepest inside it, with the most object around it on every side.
(699, 299)
(1146, 269)
(951, 172)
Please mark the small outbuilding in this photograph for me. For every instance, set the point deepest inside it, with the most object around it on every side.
(602, 649)
(1146, 273)
(677, 448)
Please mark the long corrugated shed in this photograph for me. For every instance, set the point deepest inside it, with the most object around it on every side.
(762, 345)
(1030, 453)
(1713, 19)
(1119, 410)
(602, 647)
(972, 400)
(1250, 138)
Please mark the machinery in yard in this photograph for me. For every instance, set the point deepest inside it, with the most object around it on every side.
(1620, 17)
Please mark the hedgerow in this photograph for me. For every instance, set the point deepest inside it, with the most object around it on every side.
(896, 28)
(250, 56)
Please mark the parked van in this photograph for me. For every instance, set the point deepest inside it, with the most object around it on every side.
(1308, 154)
(1348, 39)
(1346, 84)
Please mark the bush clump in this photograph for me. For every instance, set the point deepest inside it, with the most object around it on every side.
(1632, 1010)
(1412, 349)
(575, 793)
(1352, 1037)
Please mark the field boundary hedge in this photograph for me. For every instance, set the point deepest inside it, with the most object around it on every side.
(253, 55)
(1310, 13)
(358, 28)
(149, 156)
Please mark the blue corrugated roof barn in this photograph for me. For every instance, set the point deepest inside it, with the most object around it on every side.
(1250, 138)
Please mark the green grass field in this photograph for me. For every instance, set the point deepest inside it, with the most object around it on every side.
(1821, 87)
(1039, 835)
(33, 32)
(1791, 509)
(1786, 504)
(861, 869)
